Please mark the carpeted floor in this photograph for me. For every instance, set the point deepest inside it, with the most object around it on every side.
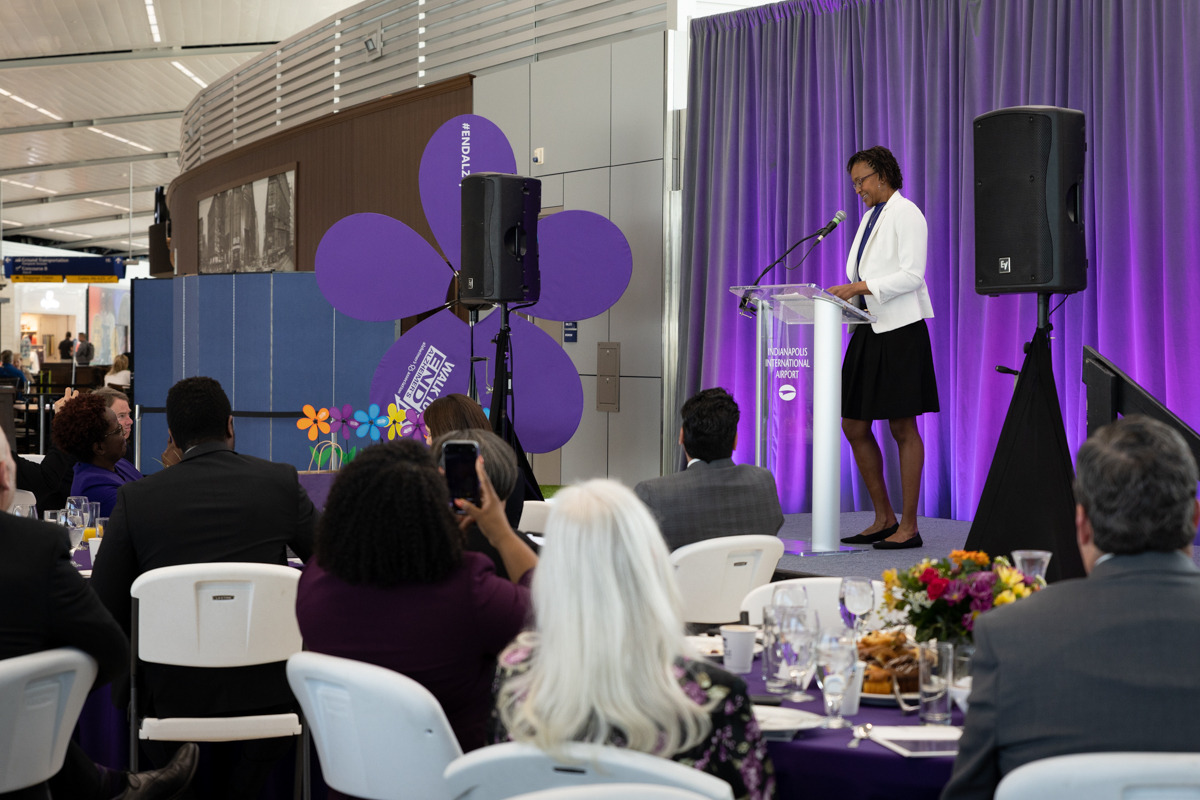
(940, 537)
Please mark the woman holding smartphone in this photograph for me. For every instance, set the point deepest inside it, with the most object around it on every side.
(391, 585)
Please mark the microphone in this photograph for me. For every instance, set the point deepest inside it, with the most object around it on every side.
(833, 223)
(746, 308)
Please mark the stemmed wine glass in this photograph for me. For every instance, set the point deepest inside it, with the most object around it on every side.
(790, 594)
(798, 635)
(76, 521)
(856, 598)
(836, 655)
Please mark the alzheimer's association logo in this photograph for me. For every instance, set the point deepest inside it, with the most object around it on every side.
(426, 377)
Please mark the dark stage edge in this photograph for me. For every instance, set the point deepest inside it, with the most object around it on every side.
(940, 537)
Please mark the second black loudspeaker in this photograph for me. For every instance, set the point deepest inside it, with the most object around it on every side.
(1028, 201)
(499, 239)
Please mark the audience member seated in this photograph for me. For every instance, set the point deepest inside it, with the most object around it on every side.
(608, 662)
(712, 497)
(118, 374)
(391, 584)
(12, 371)
(1103, 663)
(500, 463)
(45, 604)
(459, 412)
(215, 505)
(88, 430)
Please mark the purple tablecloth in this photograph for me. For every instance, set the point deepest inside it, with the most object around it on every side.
(818, 763)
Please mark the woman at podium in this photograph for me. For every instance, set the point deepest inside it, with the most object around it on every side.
(888, 370)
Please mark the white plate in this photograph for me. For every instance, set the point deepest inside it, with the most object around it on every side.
(776, 719)
(714, 646)
(872, 699)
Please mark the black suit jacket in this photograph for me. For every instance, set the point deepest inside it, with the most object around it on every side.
(215, 505)
(1097, 664)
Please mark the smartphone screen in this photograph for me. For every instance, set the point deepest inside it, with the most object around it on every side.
(458, 461)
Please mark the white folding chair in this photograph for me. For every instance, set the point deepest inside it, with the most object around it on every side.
(227, 614)
(715, 574)
(380, 735)
(41, 695)
(822, 597)
(607, 791)
(22, 497)
(504, 770)
(1106, 776)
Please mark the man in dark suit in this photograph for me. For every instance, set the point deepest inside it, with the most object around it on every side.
(45, 604)
(214, 505)
(713, 496)
(1103, 663)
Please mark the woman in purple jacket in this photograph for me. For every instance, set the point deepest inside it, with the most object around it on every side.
(391, 585)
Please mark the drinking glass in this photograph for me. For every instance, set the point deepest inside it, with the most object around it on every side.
(798, 633)
(936, 664)
(101, 524)
(856, 597)
(775, 672)
(960, 685)
(79, 503)
(790, 595)
(836, 655)
(76, 521)
(22, 510)
(54, 515)
(1032, 562)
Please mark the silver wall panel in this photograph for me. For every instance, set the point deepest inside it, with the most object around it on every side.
(636, 319)
(635, 433)
(569, 111)
(586, 455)
(503, 97)
(638, 99)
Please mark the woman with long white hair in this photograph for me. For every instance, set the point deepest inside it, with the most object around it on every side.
(608, 662)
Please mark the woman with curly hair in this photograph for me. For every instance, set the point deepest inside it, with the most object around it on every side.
(88, 430)
(608, 662)
(391, 585)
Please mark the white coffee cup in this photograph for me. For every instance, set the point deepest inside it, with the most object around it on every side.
(738, 641)
(94, 546)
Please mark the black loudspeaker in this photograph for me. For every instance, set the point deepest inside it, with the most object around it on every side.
(160, 253)
(499, 239)
(1028, 204)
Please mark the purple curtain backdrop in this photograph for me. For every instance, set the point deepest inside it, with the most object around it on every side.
(781, 96)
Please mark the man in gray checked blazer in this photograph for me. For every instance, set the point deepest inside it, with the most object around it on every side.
(713, 496)
(1108, 662)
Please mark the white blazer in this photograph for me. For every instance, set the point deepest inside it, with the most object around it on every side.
(893, 265)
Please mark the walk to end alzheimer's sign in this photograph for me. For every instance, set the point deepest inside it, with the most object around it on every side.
(72, 269)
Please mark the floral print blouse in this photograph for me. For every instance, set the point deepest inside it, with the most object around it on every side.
(735, 751)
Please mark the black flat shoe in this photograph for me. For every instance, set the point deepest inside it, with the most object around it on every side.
(907, 544)
(871, 538)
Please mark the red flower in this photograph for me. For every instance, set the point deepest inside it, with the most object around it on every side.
(937, 587)
(929, 575)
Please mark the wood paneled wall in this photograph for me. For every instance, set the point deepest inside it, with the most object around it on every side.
(364, 158)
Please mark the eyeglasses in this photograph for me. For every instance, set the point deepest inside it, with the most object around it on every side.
(117, 432)
(858, 182)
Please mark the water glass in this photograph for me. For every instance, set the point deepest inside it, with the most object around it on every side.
(775, 672)
(1032, 562)
(798, 634)
(54, 516)
(936, 670)
(960, 686)
(24, 510)
(836, 657)
(790, 594)
(80, 504)
(101, 524)
(856, 597)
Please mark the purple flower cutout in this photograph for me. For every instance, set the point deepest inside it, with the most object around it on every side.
(373, 267)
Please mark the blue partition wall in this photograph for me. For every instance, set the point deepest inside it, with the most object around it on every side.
(272, 340)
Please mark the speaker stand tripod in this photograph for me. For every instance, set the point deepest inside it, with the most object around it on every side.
(501, 390)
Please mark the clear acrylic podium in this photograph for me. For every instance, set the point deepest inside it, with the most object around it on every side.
(808, 304)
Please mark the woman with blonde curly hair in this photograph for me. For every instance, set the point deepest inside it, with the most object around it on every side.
(608, 662)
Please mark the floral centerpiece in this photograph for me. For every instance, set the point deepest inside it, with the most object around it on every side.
(943, 598)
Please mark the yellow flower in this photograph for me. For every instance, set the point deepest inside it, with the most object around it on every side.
(1009, 576)
(395, 420)
(1021, 590)
(1004, 598)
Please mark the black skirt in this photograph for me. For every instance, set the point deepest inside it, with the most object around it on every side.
(889, 375)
